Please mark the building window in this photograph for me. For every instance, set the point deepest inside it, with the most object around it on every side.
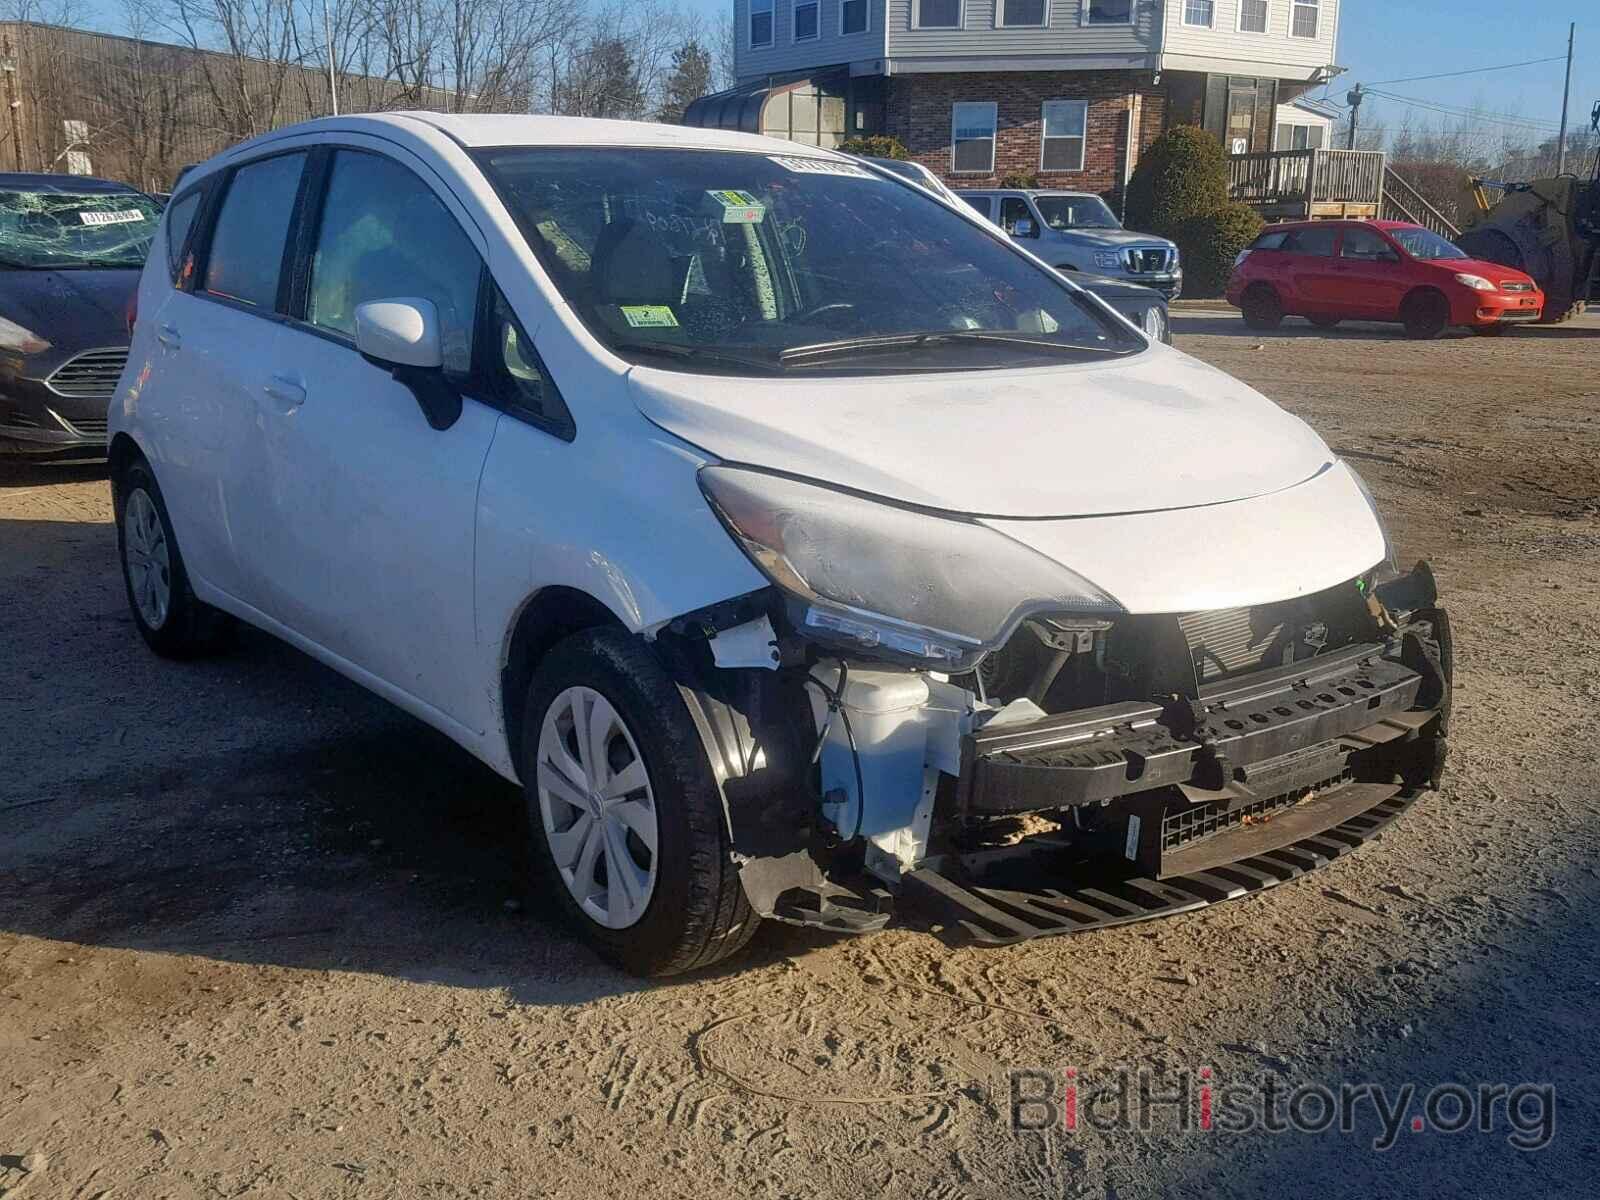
(1108, 12)
(760, 23)
(1252, 16)
(1030, 14)
(1062, 144)
(853, 16)
(1199, 12)
(938, 14)
(1298, 137)
(1304, 22)
(972, 138)
(805, 21)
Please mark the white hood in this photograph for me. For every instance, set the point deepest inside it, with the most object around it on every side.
(1159, 431)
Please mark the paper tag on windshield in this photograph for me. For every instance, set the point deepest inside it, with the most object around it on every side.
(819, 166)
(649, 316)
(111, 218)
(739, 208)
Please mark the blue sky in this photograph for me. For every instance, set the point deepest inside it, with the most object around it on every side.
(1382, 40)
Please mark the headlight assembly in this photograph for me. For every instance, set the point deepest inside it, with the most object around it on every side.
(1383, 526)
(20, 339)
(1476, 282)
(937, 591)
(1154, 323)
(1107, 259)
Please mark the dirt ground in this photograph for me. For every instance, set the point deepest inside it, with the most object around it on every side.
(261, 934)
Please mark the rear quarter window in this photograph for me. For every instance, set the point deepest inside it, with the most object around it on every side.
(180, 220)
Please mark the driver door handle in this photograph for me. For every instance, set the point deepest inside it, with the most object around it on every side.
(288, 391)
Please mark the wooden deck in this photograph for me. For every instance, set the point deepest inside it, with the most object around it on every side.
(1296, 185)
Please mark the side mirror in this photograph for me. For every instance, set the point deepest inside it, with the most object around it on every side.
(1024, 227)
(403, 335)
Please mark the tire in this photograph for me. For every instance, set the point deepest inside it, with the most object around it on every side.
(686, 908)
(1571, 312)
(1261, 307)
(1495, 330)
(1324, 322)
(1425, 315)
(172, 621)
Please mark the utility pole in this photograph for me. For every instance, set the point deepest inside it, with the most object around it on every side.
(8, 64)
(1566, 94)
(1353, 98)
(327, 37)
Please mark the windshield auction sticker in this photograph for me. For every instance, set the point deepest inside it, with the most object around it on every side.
(819, 166)
(111, 218)
(739, 208)
(649, 316)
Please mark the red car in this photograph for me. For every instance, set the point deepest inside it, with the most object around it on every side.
(1328, 271)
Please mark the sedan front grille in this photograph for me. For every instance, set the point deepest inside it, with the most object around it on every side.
(92, 375)
(1147, 261)
(1516, 286)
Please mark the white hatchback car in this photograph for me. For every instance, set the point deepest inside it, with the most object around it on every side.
(782, 531)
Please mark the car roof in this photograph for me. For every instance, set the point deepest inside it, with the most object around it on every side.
(1020, 192)
(1341, 223)
(479, 130)
(73, 185)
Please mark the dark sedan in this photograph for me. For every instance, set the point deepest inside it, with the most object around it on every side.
(71, 249)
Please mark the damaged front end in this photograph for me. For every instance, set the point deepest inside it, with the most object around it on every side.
(1094, 768)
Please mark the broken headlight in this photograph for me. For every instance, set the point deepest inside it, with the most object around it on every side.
(1389, 567)
(938, 591)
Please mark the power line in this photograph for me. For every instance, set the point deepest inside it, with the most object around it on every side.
(1473, 71)
(1474, 114)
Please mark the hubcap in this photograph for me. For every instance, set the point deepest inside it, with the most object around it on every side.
(598, 808)
(145, 554)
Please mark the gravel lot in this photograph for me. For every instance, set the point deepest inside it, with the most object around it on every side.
(261, 934)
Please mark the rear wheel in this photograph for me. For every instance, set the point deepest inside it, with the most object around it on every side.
(170, 619)
(624, 813)
(1261, 307)
(1425, 315)
(1324, 322)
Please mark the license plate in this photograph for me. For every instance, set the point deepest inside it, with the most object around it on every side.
(1526, 302)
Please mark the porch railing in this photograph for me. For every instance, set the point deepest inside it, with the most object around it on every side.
(1302, 178)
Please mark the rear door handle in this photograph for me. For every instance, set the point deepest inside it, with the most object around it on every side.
(287, 390)
(169, 336)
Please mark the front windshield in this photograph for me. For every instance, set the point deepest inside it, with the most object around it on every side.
(1076, 212)
(1425, 244)
(52, 231)
(751, 263)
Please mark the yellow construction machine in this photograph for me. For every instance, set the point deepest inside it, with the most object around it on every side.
(1549, 228)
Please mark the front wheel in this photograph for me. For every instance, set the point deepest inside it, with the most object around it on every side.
(1425, 315)
(624, 814)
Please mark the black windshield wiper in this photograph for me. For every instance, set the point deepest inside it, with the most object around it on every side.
(937, 337)
(696, 354)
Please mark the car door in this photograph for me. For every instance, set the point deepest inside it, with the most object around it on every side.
(1371, 273)
(1014, 209)
(216, 335)
(1309, 269)
(371, 550)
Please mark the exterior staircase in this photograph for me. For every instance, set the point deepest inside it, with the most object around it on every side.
(1402, 202)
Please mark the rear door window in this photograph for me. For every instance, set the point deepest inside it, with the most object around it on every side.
(384, 235)
(982, 204)
(1318, 241)
(246, 255)
(1269, 241)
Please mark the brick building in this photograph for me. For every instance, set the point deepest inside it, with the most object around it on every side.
(1069, 91)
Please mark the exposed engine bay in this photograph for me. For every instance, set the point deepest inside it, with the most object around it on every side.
(1152, 763)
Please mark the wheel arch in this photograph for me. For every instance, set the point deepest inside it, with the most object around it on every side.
(545, 618)
(121, 454)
